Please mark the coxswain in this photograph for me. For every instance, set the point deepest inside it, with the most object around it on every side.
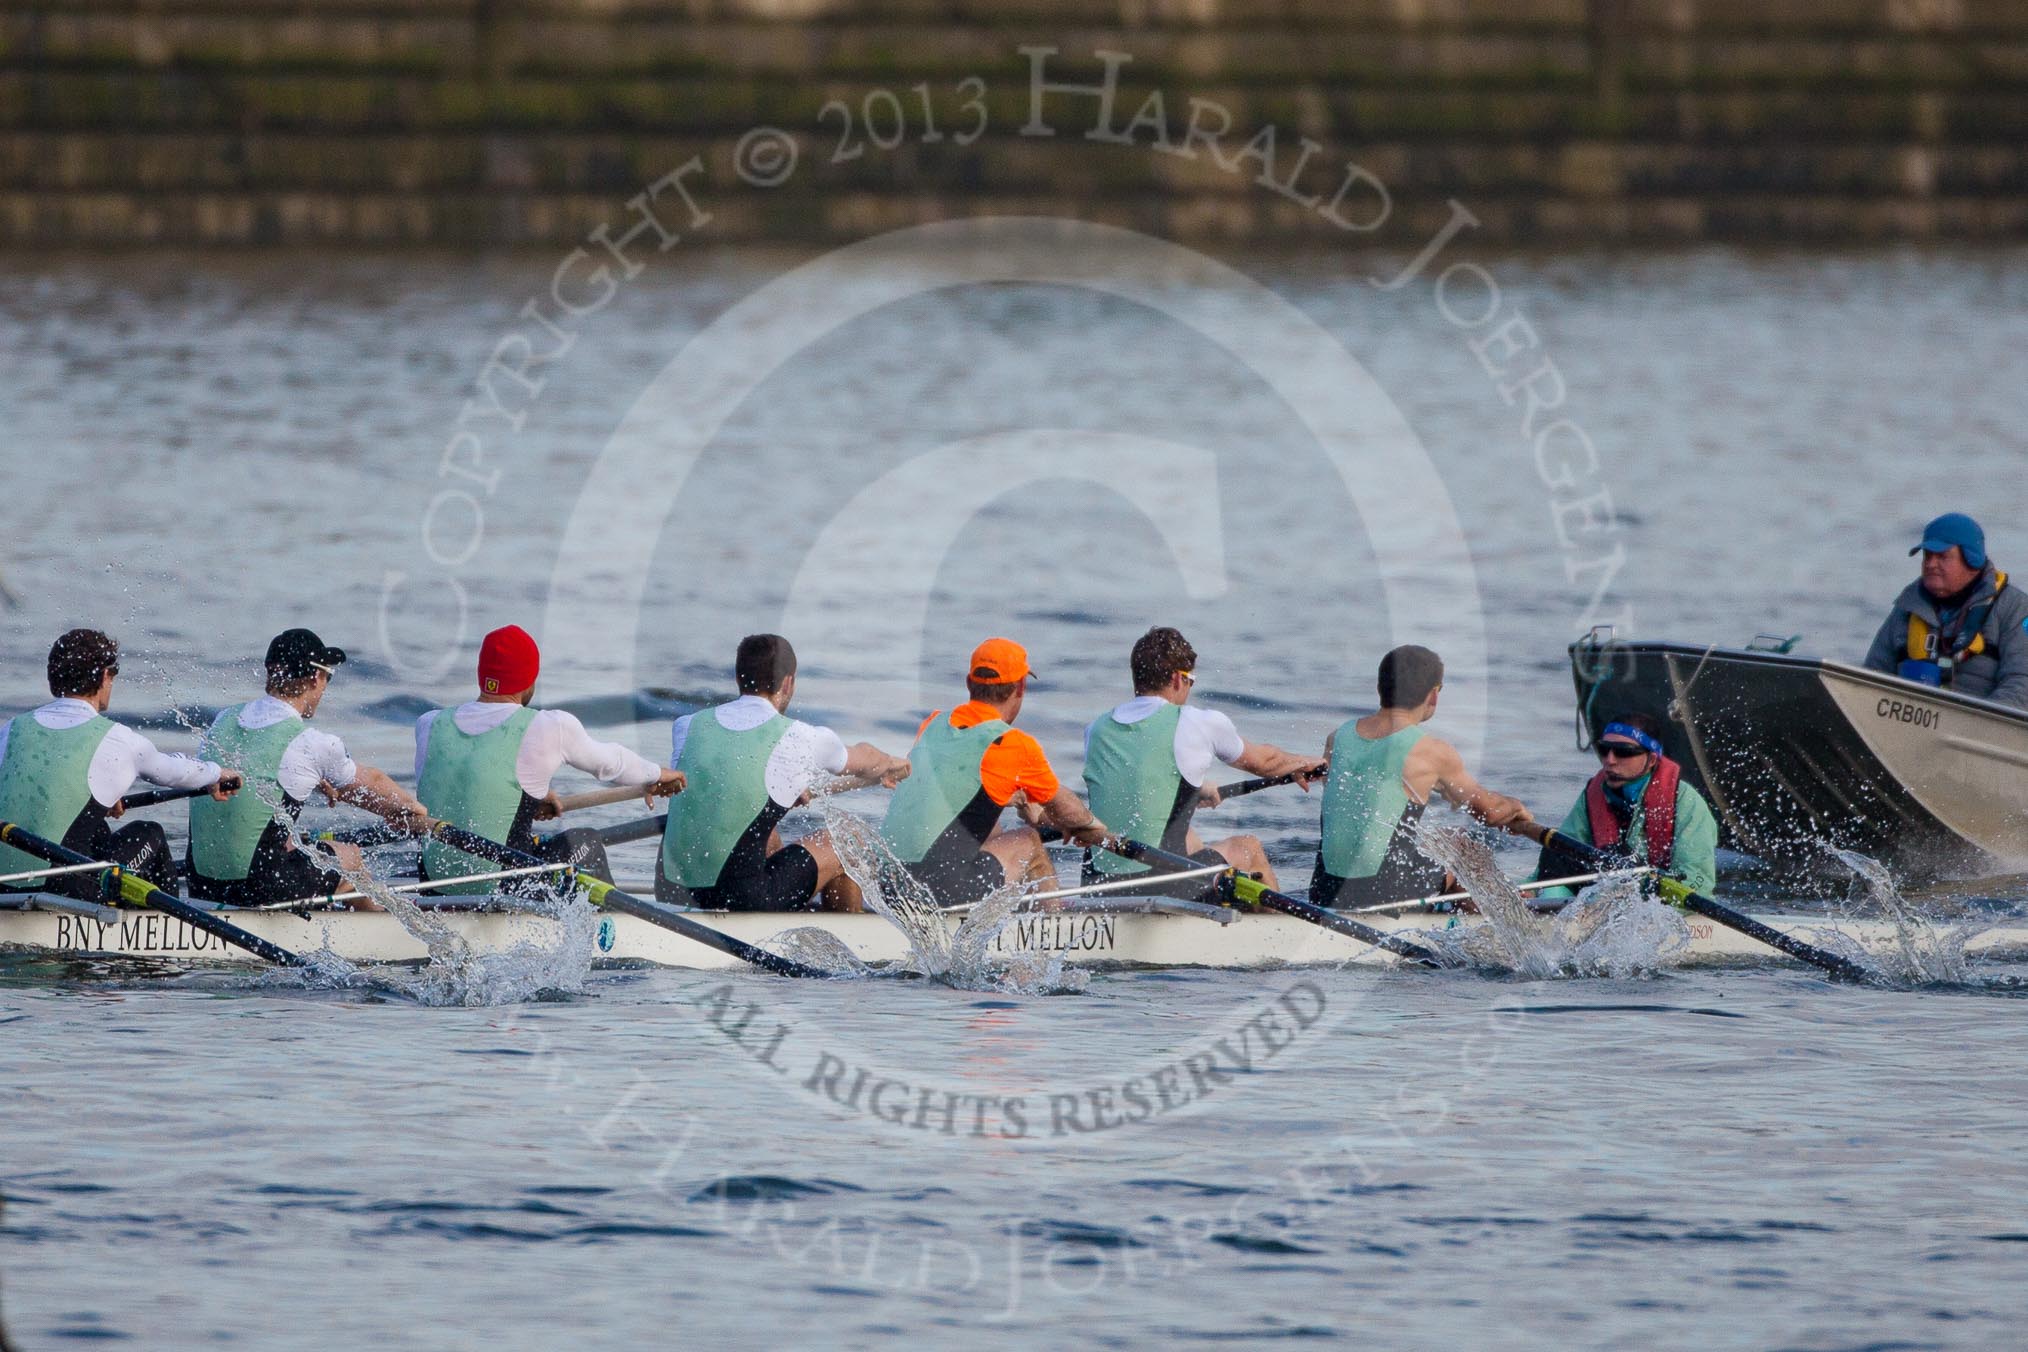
(1147, 769)
(968, 765)
(487, 766)
(1961, 625)
(65, 767)
(1640, 809)
(748, 764)
(244, 851)
(1384, 769)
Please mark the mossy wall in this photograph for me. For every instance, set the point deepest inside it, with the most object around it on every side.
(488, 122)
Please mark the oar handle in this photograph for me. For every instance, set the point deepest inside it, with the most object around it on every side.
(156, 797)
(619, 793)
(138, 891)
(1679, 894)
(1247, 786)
(604, 894)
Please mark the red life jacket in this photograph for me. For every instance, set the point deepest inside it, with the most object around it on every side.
(1658, 812)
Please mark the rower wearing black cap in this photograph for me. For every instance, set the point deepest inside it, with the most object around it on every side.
(243, 851)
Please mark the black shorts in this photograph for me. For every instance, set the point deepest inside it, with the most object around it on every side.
(1353, 894)
(1189, 889)
(291, 875)
(788, 882)
(965, 880)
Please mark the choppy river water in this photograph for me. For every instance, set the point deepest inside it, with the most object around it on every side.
(889, 458)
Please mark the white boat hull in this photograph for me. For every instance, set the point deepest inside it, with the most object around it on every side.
(1084, 939)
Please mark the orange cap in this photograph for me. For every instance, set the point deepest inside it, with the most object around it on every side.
(999, 661)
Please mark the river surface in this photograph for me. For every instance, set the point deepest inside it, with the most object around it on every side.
(889, 457)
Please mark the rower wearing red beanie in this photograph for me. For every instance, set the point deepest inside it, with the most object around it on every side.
(487, 765)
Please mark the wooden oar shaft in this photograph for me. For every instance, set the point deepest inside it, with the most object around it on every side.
(620, 793)
(605, 895)
(1679, 894)
(137, 891)
(1256, 894)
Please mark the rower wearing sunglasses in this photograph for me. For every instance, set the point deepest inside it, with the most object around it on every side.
(1147, 769)
(1640, 809)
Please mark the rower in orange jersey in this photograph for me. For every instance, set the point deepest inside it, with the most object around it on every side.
(968, 765)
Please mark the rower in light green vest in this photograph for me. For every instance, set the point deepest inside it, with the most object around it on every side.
(488, 765)
(966, 768)
(748, 766)
(245, 851)
(1147, 766)
(65, 767)
(1384, 769)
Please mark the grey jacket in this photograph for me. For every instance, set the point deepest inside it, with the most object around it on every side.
(2000, 673)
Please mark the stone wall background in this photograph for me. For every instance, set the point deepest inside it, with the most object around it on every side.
(501, 122)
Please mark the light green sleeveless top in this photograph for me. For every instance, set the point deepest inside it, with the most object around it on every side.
(224, 836)
(469, 781)
(728, 773)
(1131, 778)
(1365, 801)
(943, 779)
(45, 782)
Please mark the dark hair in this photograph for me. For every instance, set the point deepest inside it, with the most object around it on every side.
(764, 662)
(1407, 675)
(1158, 655)
(1646, 723)
(990, 693)
(79, 661)
(288, 687)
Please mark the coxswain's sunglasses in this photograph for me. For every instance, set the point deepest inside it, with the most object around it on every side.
(1619, 751)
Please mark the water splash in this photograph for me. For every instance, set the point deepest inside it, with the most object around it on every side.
(1613, 929)
(969, 956)
(554, 954)
(1921, 952)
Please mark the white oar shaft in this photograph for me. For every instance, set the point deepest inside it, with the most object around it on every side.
(1124, 885)
(423, 887)
(1538, 886)
(54, 872)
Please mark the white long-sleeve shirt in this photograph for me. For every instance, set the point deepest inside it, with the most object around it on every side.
(805, 751)
(123, 757)
(554, 739)
(1203, 736)
(312, 757)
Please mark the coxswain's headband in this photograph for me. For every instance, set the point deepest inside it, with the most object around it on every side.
(1634, 735)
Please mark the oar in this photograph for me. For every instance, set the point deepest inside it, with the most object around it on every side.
(1247, 786)
(623, 793)
(642, 828)
(1678, 894)
(1446, 901)
(156, 797)
(138, 891)
(602, 893)
(1254, 893)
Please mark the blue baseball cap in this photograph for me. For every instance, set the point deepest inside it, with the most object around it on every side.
(1954, 529)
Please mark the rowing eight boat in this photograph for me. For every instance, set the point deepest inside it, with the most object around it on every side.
(1094, 932)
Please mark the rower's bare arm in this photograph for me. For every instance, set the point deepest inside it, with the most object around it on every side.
(373, 790)
(1068, 814)
(867, 764)
(1458, 788)
(1271, 762)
